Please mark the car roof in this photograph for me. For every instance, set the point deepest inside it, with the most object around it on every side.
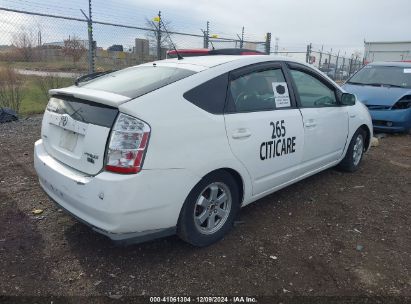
(401, 64)
(224, 51)
(206, 61)
(199, 63)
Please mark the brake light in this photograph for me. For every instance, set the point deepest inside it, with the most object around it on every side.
(128, 144)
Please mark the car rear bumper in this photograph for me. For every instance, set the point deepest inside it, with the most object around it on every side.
(391, 120)
(125, 238)
(123, 207)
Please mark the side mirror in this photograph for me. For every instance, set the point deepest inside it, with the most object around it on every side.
(348, 99)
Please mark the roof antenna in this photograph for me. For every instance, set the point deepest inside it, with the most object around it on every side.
(172, 43)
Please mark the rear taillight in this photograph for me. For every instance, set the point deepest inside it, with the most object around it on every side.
(128, 144)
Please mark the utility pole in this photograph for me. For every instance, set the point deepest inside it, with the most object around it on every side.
(350, 69)
(336, 65)
(90, 38)
(207, 35)
(268, 43)
(329, 60)
(241, 38)
(308, 54)
(39, 43)
(159, 37)
(321, 56)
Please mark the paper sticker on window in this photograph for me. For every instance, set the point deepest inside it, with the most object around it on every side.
(281, 96)
(407, 71)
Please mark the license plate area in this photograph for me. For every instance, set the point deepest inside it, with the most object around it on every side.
(68, 140)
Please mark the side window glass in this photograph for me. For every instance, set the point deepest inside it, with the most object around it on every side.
(313, 93)
(210, 96)
(259, 91)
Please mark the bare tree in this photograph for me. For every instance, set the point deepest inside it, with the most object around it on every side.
(24, 42)
(11, 85)
(74, 48)
(152, 36)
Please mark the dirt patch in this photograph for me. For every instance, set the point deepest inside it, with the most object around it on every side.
(333, 234)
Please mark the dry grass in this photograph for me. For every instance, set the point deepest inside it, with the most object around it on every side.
(11, 85)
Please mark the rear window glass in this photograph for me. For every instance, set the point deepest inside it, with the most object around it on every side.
(83, 110)
(136, 81)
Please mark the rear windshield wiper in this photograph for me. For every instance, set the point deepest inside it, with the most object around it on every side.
(91, 76)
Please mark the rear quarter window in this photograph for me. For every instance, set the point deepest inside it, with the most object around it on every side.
(210, 96)
(137, 81)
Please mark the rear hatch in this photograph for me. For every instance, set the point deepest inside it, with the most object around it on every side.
(75, 130)
(78, 119)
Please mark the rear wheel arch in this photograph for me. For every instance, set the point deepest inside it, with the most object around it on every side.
(237, 177)
(188, 227)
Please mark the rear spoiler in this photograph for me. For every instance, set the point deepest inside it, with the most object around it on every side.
(103, 97)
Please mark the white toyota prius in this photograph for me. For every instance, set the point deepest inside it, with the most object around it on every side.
(178, 146)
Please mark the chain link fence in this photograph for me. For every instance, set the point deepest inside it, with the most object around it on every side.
(40, 51)
(334, 66)
(57, 43)
(338, 68)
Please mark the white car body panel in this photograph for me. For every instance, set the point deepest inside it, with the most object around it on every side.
(250, 134)
(325, 133)
(186, 143)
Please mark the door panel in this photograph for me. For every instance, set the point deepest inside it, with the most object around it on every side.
(269, 144)
(264, 129)
(325, 133)
(325, 120)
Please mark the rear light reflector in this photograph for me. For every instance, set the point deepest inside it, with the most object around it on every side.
(128, 144)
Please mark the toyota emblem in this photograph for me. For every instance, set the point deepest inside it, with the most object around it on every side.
(63, 121)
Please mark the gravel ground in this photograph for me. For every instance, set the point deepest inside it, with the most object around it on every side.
(333, 234)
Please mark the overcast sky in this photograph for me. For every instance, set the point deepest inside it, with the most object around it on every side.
(332, 23)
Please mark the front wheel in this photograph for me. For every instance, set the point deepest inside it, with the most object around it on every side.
(355, 152)
(209, 210)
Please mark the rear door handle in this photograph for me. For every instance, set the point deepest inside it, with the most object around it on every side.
(241, 133)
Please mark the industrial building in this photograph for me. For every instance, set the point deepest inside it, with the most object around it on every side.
(387, 51)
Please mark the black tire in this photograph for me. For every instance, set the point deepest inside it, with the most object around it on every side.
(348, 163)
(188, 230)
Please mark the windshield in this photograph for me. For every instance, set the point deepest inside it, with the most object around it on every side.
(383, 75)
(136, 81)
